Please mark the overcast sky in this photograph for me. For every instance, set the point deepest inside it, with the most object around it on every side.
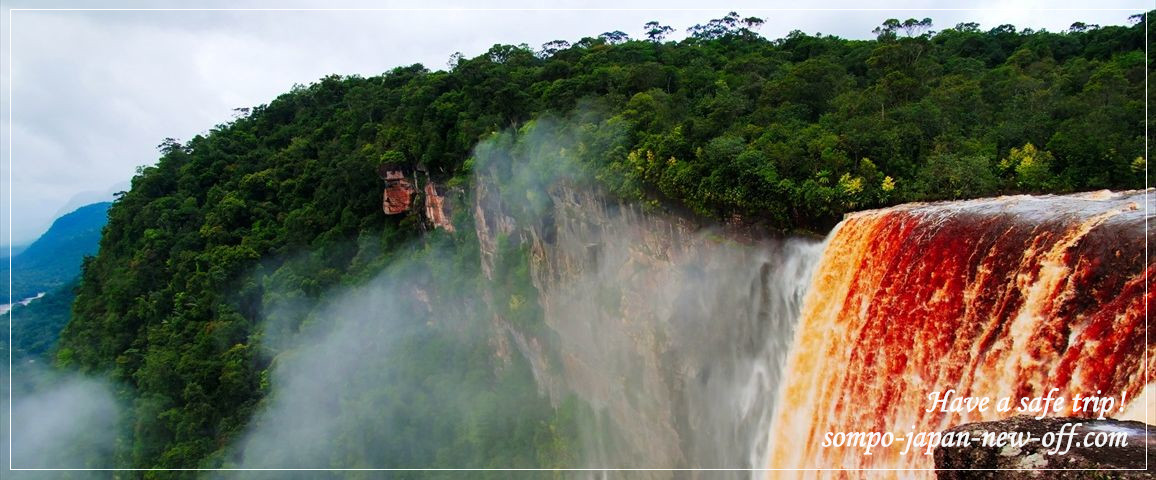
(94, 92)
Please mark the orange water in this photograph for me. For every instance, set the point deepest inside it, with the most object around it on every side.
(1000, 297)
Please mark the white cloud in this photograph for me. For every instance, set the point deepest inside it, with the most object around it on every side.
(95, 92)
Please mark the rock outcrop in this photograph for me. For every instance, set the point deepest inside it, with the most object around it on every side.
(1034, 460)
(435, 207)
(398, 195)
(401, 192)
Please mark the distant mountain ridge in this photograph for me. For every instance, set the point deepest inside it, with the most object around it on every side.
(55, 258)
(16, 249)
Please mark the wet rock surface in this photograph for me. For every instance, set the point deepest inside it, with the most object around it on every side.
(1079, 459)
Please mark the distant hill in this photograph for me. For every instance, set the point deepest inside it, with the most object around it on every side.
(50, 264)
(54, 259)
(16, 249)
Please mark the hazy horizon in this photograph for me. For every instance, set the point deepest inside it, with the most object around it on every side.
(94, 92)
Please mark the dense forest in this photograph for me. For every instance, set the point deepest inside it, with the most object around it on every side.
(283, 204)
(41, 321)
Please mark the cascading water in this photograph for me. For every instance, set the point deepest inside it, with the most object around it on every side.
(999, 297)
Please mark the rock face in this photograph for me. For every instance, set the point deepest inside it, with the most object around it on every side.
(1032, 459)
(672, 332)
(399, 190)
(435, 207)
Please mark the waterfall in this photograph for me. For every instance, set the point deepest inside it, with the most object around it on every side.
(1005, 297)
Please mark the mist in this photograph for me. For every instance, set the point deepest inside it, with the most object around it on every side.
(396, 373)
(59, 421)
(672, 332)
(677, 338)
(559, 328)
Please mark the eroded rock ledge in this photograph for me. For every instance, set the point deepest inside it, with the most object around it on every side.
(1032, 460)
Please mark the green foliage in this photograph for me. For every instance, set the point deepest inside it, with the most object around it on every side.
(953, 176)
(37, 325)
(1029, 168)
(513, 288)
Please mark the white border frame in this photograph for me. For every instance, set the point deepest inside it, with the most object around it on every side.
(1148, 193)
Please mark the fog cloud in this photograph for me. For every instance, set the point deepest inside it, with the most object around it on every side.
(58, 421)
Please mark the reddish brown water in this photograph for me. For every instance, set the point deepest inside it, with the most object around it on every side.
(998, 297)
